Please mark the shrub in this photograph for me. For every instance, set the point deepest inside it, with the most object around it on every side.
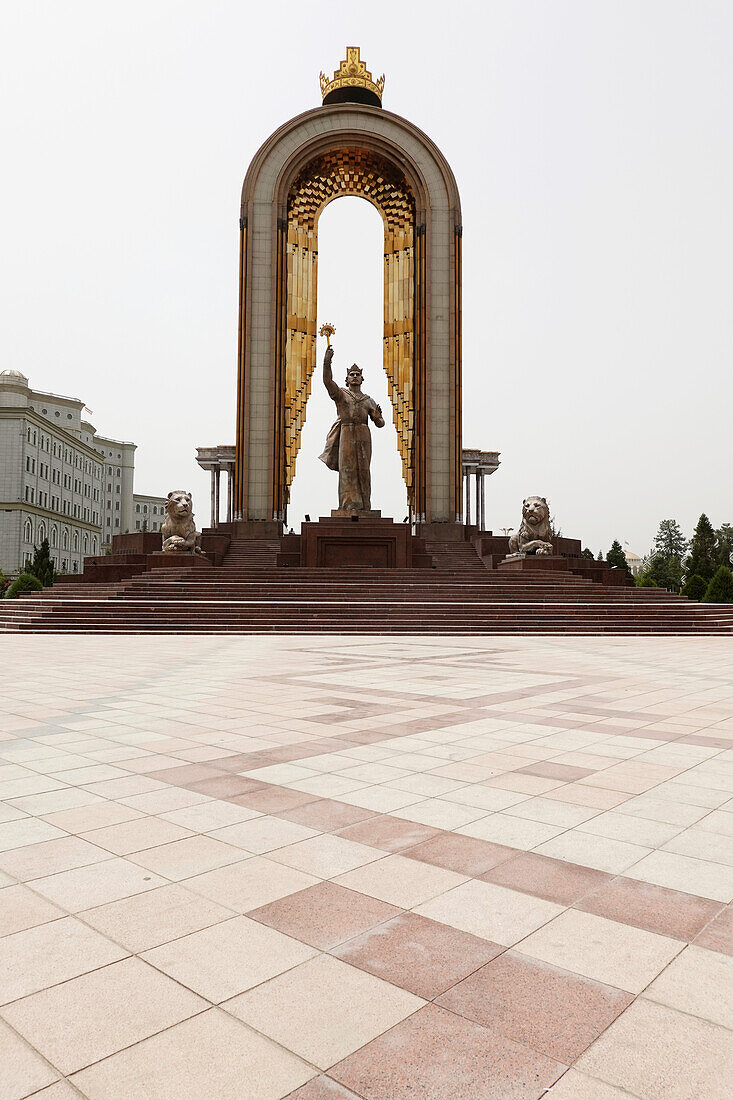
(42, 565)
(720, 589)
(695, 587)
(643, 580)
(25, 583)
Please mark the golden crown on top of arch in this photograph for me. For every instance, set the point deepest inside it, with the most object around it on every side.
(352, 73)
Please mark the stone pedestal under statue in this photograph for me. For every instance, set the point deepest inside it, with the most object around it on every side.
(364, 541)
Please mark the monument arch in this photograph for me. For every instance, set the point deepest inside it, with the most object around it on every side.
(349, 146)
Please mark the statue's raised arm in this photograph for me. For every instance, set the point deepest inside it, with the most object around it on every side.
(328, 381)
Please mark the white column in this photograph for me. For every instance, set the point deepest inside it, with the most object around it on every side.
(230, 491)
(483, 501)
(213, 496)
(467, 487)
(218, 486)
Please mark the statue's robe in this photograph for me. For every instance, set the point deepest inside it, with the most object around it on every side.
(349, 448)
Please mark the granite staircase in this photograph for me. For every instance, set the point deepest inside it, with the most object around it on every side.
(248, 594)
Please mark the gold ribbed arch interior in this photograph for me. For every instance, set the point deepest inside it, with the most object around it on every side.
(363, 173)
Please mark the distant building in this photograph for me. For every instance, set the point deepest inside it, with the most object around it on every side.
(59, 479)
(149, 512)
(636, 564)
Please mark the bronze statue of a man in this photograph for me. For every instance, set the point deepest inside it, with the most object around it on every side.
(349, 442)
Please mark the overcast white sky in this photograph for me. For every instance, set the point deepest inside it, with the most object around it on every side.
(592, 145)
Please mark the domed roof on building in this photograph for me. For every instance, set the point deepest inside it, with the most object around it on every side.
(13, 376)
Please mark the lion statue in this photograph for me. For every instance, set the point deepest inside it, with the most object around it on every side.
(178, 529)
(535, 532)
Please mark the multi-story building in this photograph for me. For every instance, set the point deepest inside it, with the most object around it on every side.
(58, 479)
(118, 477)
(149, 513)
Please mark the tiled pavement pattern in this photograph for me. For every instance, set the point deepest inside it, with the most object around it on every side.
(329, 868)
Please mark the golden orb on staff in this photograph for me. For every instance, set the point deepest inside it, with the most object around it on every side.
(327, 330)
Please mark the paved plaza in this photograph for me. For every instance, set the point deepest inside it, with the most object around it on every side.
(323, 868)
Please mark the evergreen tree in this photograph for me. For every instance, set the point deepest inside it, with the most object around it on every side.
(599, 556)
(720, 589)
(616, 556)
(669, 539)
(695, 587)
(42, 567)
(703, 552)
(724, 549)
(665, 571)
(663, 567)
(588, 554)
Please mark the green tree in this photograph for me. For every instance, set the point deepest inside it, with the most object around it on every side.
(669, 539)
(42, 566)
(695, 587)
(599, 556)
(720, 589)
(616, 556)
(586, 553)
(26, 582)
(703, 555)
(665, 571)
(724, 536)
(663, 566)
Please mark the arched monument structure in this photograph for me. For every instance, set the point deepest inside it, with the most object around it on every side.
(349, 146)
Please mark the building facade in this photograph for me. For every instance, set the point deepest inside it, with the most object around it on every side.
(59, 479)
(149, 512)
(636, 564)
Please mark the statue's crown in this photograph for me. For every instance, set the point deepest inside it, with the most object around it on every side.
(352, 73)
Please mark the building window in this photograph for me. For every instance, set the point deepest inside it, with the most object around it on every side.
(76, 541)
(54, 535)
(65, 538)
(86, 545)
(137, 507)
(41, 534)
(137, 524)
(28, 531)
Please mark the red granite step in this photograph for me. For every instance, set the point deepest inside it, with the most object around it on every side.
(248, 594)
